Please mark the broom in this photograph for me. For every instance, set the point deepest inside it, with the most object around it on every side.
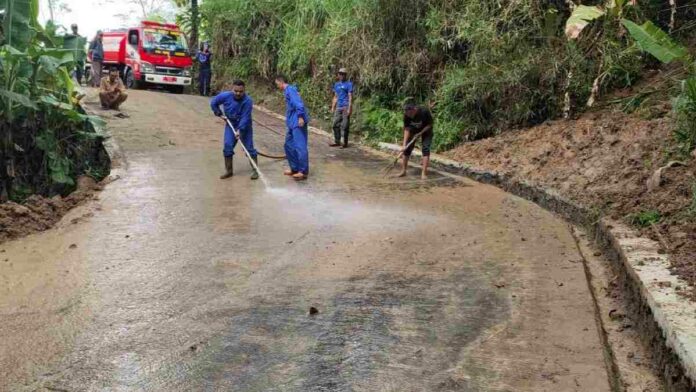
(392, 165)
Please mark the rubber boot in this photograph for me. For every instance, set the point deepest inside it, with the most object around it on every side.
(229, 168)
(255, 174)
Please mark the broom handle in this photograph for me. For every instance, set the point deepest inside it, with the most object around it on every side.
(409, 144)
(236, 134)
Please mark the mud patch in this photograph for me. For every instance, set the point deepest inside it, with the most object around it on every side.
(378, 333)
(40, 213)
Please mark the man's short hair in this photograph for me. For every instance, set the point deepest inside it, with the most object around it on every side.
(238, 82)
(281, 78)
(113, 69)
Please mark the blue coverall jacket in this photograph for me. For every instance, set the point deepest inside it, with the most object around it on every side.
(239, 113)
(296, 136)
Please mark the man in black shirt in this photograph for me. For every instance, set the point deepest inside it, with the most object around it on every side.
(418, 121)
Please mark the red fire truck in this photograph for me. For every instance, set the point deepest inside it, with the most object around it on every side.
(152, 53)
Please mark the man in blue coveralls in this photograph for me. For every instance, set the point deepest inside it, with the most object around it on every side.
(296, 120)
(237, 107)
(342, 108)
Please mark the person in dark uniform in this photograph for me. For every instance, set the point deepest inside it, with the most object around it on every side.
(418, 121)
(205, 72)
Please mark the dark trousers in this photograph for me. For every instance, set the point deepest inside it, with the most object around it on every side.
(426, 142)
(79, 71)
(341, 124)
(96, 73)
(204, 77)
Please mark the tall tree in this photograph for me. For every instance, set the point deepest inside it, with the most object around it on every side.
(195, 20)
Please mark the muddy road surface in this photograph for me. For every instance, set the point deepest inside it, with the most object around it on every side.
(173, 280)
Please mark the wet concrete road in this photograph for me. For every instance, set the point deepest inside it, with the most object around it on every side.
(178, 281)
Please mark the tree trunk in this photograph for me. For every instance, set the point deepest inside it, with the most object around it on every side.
(194, 24)
(194, 39)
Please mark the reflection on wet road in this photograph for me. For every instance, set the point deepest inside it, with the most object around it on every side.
(183, 282)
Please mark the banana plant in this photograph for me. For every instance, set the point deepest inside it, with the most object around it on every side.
(37, 108)
(648, 37)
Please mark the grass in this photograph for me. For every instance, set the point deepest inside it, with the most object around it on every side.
(645, 218)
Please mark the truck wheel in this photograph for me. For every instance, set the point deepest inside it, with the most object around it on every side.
(130, 81)
(177, 89)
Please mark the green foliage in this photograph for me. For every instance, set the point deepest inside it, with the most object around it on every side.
(381, 125)
(645, 218)
(653, 40)
(685, 109)
(485, 66)
(45, 137)
(19, 24)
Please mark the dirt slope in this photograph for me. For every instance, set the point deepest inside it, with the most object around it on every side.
(604, 160)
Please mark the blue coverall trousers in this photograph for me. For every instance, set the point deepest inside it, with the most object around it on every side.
(296, 149)
(247, 138)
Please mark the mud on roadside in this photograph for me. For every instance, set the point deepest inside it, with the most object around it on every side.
(39, 213)
(604, 160)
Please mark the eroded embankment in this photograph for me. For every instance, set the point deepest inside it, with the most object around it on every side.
(603, 162)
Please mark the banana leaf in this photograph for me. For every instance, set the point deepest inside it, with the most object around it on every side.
(653, 40)
(19, 22)
(580, 18)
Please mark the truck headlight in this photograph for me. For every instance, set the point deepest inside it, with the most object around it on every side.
(187, 72)
(147, 68)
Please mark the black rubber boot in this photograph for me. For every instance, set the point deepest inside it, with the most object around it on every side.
(229, 168)
(255, 174)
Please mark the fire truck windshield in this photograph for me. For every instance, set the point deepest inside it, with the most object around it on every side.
(163, 41)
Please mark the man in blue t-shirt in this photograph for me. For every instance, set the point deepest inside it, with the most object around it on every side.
(342, 108)
(205, 72)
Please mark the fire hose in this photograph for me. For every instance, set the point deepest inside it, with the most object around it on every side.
(273, 131)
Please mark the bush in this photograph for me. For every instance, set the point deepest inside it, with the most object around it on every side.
(485, 66)
(685, 109)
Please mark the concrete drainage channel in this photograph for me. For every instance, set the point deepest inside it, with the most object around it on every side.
(665, 320)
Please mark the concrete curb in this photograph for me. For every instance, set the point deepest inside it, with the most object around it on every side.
(667, 320)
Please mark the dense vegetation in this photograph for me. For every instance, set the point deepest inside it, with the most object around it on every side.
(484, 66)
(46, 140)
